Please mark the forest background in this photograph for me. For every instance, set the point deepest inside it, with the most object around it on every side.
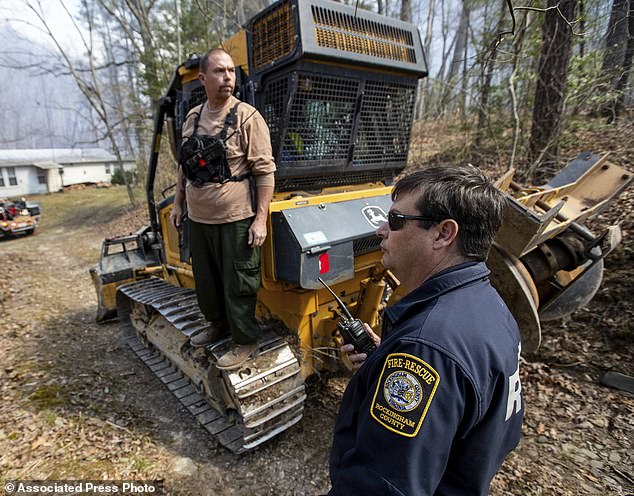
(508, 77)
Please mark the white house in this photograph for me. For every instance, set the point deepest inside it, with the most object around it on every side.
(46, 170)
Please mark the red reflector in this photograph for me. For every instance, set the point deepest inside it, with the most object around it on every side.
(201, 162)
(324, 263)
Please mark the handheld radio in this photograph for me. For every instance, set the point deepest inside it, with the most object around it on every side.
(352, 330)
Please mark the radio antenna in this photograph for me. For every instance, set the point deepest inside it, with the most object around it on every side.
(341, 304)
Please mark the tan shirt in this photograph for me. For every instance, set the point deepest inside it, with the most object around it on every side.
(248, 149)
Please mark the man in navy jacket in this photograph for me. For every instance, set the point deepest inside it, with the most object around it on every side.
(436, 408)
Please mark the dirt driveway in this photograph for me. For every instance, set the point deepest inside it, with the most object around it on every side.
(78, 404)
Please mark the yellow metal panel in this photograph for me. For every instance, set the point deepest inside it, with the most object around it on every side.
(294, 309)
(188, 75)
(329, 195)
(181, 273)
(170, 236)
(109, 294)
(236, 46)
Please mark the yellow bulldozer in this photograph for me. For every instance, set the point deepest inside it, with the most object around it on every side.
(337, 87)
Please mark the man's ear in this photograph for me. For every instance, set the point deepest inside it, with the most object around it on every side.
(446, 233)
(201, 78)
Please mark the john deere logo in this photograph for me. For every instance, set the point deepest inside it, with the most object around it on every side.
(374, 215)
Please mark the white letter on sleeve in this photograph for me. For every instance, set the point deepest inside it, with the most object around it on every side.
(514, 401)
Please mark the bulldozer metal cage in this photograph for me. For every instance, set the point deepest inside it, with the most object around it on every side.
(337, 87)
(329, 129)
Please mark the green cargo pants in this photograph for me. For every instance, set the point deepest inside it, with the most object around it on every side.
(227, 274)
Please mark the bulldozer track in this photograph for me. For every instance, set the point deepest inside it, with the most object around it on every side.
(266, 395)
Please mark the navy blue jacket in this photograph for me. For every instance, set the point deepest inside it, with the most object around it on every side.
(436, 408)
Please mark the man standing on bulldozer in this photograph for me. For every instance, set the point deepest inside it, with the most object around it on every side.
(438, 405)
(226, 147)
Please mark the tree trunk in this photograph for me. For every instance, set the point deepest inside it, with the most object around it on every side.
(242, 17)
(424, 88)
(616, 40)
(458, 54)
(486, 77)
(629, 54)
(582, 28)
(406, 10)
(465, 78)
(518, 45)
(550, 91)
(626, 65)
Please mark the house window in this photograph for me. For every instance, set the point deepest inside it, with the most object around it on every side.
(13, 181)
(108, 168)
(2, 185)
(41, 176)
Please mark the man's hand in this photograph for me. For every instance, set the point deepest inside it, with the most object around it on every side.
(176, 216)
(257, 232)
(357, 359)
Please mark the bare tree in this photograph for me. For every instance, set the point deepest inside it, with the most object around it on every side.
(616, 65)
(552, 72)
(406, 10)
(134, 18)
(487, 65)
(49, 111)
(424, 87)
(518, 44)
(627, 59)
(125, 98)
(86, 77)
(461, 38)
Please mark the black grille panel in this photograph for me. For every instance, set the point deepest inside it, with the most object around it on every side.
(365, 245)
(330, 130)
(385, 123)
(274, 107)
(187, 100)
(355, 34)
(314, 183)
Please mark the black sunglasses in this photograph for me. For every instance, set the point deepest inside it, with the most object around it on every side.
(397, 221)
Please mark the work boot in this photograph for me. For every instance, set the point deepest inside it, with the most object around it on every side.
(213, 333)
(236, 356)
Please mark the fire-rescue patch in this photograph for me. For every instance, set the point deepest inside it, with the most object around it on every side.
(404, 393)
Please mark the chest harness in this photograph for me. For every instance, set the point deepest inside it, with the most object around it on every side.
(204, 157)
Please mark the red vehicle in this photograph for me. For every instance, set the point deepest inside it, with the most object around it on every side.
(18, 217)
